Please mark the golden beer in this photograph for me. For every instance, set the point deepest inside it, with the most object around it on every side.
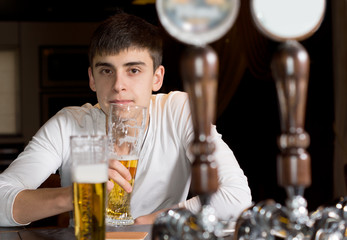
(118, 207)
(89, 192)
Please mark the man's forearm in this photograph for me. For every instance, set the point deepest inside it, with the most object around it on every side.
(32, 205)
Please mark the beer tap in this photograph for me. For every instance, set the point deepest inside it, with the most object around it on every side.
(290, 68)
(199, 70)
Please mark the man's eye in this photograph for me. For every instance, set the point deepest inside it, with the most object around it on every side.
(106, 71)
(134, 70)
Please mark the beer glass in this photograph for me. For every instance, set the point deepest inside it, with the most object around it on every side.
(89, 174)
(126, 127)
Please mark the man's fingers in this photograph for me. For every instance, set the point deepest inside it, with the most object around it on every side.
(120, 168)
(109, 186)
(120, 175)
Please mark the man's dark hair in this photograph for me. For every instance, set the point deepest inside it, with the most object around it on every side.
(123, 31)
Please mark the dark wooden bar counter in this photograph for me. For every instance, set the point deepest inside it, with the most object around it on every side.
(23, 233)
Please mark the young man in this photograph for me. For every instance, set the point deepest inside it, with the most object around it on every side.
(125, 67)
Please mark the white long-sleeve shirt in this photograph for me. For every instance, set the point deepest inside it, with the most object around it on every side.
(164, 168)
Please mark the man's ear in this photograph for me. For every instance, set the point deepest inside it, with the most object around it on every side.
(158, 78)
(91, 80)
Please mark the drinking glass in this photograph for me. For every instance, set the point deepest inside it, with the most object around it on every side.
(126, 127)
(89, 174)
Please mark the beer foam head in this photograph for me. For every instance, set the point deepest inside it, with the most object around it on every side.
(90, 173)
(123, 157)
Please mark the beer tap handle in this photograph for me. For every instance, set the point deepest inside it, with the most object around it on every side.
(290, 67)
(199, 69)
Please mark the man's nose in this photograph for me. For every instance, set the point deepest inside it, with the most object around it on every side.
(119, 83)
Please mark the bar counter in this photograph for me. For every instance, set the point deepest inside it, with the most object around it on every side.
(22, 233)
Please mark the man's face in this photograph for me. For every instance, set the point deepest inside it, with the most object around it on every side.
(126, 78)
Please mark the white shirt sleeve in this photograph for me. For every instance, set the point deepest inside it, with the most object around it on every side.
(48, 151)
(41, 157)
(233, 194)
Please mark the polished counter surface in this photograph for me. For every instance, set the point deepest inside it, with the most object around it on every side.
(22, 233)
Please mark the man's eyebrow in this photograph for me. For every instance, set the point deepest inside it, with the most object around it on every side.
(106, 64)
(134, 63)
(103, 64)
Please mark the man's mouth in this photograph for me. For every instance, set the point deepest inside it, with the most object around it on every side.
(122, 101)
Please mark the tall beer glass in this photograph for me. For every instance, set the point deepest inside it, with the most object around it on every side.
(89, 171)
(126, 127)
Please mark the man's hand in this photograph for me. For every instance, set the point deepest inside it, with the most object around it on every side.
(147, 219)
(120, 175)
(150, 218)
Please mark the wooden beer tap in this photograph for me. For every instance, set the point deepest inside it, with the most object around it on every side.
(199, 69)
(290, 67)
(197, 23)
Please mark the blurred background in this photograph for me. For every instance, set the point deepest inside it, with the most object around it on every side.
(43, 63)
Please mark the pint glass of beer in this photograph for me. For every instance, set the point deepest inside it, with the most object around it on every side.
(89, 174)
(126, 127)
